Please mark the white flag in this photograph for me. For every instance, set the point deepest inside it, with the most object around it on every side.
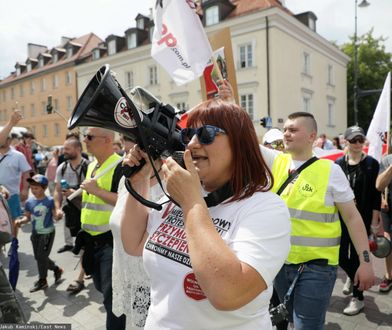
(381, 121)
(179, 42)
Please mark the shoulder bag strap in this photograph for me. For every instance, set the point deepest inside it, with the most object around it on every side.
(295, 173)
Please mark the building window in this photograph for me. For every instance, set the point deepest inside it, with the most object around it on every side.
(69, 52)
(4, 96)
(43, 107)
(45, 130)
(21, 91)
(312, 24)
(56, 105)
(68, 78)
(22, 110)
(32, 87)
(69, 103)
(5, 114)
(212, 15)
(29, 67)
(306, 101)
(330, 75)
(151, 33)
(140, 24)
(331, 112)
(1, 116)
(131, 39)
(129, 79)
(56, 129)
(33, 130)
(247, 103)
(181, 106)
(246, 56)
(12, 93)
(43, 84)
(306, 64)
(96, 54)
(18, 71)
(55, 81)
(32, 110)
(55, 57)
(112, 47)
(41, 62)
(153, 75)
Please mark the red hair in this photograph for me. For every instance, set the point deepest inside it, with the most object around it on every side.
(250, 172)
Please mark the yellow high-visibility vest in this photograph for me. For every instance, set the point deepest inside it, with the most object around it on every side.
(95, 212)
(315, 227)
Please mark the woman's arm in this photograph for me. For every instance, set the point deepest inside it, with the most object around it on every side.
(135, 215)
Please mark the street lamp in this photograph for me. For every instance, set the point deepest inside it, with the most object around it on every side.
(363, 4)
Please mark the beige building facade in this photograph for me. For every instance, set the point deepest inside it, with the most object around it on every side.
(282, 66)
(47, 78)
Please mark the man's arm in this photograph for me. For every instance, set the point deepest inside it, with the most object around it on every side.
(384, 179)
(358, 235)
(16, 116)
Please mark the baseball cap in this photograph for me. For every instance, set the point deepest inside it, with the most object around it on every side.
(272, 135)
(354, 131)
(38, 178)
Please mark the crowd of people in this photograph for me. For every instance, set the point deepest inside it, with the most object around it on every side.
(240, 222)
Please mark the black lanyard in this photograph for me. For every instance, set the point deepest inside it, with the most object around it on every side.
(3, 158)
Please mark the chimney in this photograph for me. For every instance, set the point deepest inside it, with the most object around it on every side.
(33, 50)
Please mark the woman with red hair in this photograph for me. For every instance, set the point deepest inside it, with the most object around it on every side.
(211, 260)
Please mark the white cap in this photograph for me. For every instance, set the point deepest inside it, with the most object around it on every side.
(272, 135)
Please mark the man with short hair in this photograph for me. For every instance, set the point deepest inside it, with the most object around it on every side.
(73, 171)
(99, 198)
(14, 169)
(314, 196)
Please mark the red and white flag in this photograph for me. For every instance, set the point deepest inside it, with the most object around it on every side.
(381, 121)
(180, 43)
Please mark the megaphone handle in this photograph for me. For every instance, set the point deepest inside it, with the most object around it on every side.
(129, 171)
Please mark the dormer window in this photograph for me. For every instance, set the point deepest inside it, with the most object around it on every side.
(151, 32)
(312, 23)
(212, 15)
(55, 57)
(96, 54)
(69, 52)
(131, 40)
(112, 47)
(41, 62)
(140, 24)
(18, 71)
(29, 67)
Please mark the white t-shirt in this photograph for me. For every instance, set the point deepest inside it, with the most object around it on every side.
(338, 191)
(257, 230)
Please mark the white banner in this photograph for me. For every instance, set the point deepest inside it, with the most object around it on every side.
(179, 42)
(381, 121)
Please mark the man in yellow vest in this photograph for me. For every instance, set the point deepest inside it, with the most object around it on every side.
(314, 198)
(99, 198)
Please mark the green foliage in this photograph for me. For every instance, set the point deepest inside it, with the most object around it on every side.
(374, 63)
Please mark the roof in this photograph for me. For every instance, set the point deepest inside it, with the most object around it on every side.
(87, 43)
(246, 6)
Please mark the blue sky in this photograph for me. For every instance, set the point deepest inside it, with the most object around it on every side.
(44, 22)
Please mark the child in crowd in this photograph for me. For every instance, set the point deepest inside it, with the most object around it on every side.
(40, 210)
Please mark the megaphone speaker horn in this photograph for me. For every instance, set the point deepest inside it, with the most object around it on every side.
(103, 105)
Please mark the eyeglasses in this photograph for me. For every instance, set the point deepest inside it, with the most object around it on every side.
(90, 137)
(357, 139)
(205, 134)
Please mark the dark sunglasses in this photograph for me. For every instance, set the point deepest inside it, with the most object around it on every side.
(90, 137)
(358, 139)
(205, 134)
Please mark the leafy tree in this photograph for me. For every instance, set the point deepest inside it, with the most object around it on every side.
(374, 63)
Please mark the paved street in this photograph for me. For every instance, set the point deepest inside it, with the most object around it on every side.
(85, 310)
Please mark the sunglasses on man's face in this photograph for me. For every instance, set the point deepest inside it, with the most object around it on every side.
(205, 134)
(90, 137)
(358, 139)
